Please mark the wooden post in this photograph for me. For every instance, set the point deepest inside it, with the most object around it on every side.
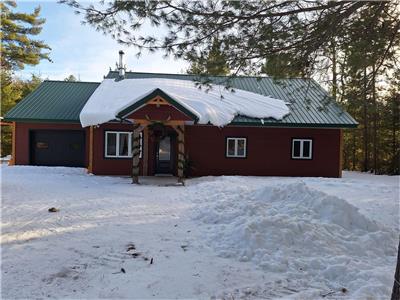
(91, 146)
(145, 151)
(341, 152)
(136, 153)
(181, 153)
(396, 284)
(12, 160)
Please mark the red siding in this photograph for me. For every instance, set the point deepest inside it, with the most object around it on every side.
(268, 151)
(22, 130)
(120, 166)
(110, 166)
(160, 113)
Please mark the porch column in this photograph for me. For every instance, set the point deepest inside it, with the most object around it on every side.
(145, 151)
(341, 153)
(136, 153)
(181, 152)
(91, 141)
(13, 141)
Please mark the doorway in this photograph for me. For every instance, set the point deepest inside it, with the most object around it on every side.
(164, 155)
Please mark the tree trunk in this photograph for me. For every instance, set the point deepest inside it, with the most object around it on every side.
(375, 123)
(395, 158)
(354, 149)
(365, 121)
(334, 71)
(396, 284)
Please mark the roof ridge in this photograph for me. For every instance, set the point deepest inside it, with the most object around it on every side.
(51, 80)
(222, 76)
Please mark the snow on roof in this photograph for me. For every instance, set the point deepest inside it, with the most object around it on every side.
(113, 96)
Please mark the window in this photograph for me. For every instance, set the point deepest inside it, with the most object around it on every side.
(236, 147)
(119, 144)
(164, 149)
(301, 148)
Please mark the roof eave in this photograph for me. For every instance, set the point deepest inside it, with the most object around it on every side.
(293, 125)
(27, 120)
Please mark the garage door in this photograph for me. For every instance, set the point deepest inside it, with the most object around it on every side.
(58, 148)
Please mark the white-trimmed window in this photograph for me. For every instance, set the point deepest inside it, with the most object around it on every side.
(119, 144)
(302, 148)
(236, 147)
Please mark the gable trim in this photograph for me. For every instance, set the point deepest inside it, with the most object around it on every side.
(156, 93)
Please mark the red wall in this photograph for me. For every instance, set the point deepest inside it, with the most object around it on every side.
(110, 166)
(22, 154)
(268, 151)
(121, 166)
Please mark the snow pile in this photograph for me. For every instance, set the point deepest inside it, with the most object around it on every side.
(302, 233)
(304, 242)
(112, 96)
(5, 159)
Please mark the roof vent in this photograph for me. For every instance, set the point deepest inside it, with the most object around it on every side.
(121, 67)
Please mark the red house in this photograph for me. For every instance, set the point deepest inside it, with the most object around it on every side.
(157, 132)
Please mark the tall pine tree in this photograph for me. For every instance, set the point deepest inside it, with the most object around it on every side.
(210, 61)
(18, 48)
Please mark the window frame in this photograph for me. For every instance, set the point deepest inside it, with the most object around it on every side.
(130, 141)
(236, 139)
(302, 140)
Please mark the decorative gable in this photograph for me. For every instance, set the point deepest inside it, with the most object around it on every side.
(158, 110)
(158, 101)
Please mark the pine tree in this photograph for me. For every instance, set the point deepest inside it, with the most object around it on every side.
(70, 78)
(17, 29)
(250, 31)
(18, 48)
(210, 62)
(13, 90)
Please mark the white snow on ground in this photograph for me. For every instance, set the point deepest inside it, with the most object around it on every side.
(230, 237)
(5, 159)
(113, 96)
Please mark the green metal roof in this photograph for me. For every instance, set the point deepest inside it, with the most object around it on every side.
(310, 104)
(53, 101)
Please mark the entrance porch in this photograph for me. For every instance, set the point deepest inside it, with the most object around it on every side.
(152, 140)
(163, 150)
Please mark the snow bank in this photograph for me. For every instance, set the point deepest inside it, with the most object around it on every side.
(113, 96)
(305, 242)
(302, 233)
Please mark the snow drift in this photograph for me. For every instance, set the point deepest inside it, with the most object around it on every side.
(302, 233)
(113, 96)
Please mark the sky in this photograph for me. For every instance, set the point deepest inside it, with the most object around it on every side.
(82, 51)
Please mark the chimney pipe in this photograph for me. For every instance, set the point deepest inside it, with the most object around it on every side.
(121, 69)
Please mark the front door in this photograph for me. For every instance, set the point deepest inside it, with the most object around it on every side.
(164, 156)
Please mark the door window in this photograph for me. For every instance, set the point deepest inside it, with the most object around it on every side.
(164, 150)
